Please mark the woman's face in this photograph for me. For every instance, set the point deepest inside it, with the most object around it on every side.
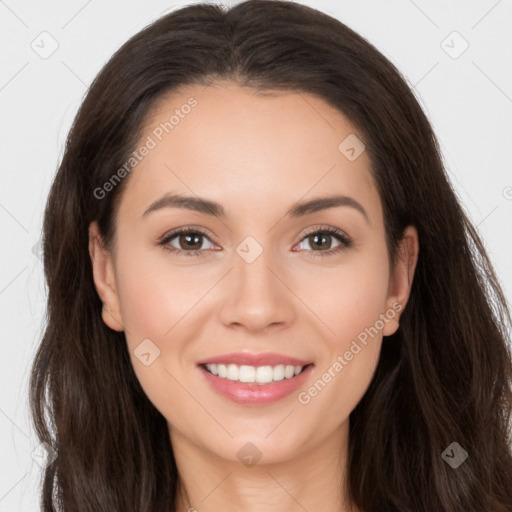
(253, 279)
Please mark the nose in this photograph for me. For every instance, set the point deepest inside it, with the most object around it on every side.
(256, 295)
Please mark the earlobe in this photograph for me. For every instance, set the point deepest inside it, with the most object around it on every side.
(104, 281)
(402, 278)
(110, 320)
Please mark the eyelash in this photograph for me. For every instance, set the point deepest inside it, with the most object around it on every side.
(345, 240)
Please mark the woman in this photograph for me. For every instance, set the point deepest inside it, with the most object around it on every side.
(266, 371)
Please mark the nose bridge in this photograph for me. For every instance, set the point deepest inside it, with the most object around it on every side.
(252, 267)
(256, 296)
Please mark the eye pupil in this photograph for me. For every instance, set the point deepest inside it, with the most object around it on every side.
(318, 236)
(187, 238)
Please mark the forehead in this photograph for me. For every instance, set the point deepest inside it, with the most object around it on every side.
(248, 150)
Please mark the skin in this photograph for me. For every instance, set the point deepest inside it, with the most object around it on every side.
(256, 155)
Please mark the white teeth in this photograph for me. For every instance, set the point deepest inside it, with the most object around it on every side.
(264, 374)
(279, 372)
(247, 374)
(252, 374)
(289, 372)
(232, 372)
(213, 368)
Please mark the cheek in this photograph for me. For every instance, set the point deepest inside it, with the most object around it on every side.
(154, 301)
(347, 298)
(159, 301)
(155, 293)
(351, 305)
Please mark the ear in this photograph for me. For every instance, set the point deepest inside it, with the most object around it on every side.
(401, 279)
(104, 279)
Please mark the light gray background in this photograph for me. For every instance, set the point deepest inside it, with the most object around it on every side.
(468, 100)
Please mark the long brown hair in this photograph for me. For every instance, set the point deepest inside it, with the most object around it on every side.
(445, 376)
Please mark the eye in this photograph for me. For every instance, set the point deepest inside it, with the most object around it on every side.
(189, 241)
(323, 238)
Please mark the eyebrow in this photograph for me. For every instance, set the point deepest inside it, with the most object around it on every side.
(215, 209)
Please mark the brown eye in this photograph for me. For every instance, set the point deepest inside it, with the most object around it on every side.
(190, 241)
(186, 241)
(320, 240)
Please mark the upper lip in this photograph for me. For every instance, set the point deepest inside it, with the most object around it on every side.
(250, 359)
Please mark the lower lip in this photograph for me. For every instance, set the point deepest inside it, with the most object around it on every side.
(258, 394)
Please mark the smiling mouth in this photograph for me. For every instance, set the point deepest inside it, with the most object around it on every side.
(254, 374)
